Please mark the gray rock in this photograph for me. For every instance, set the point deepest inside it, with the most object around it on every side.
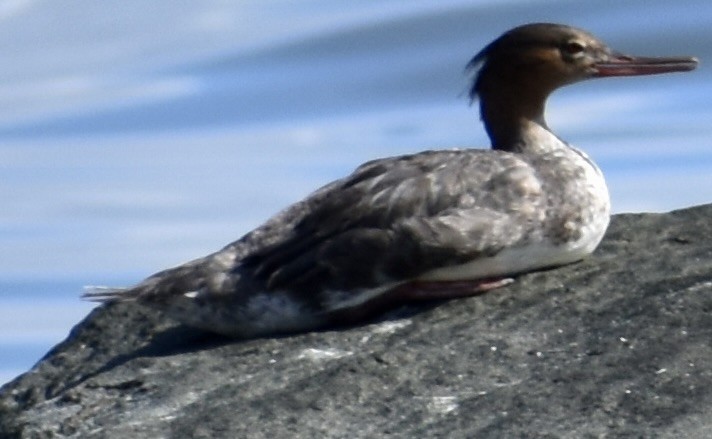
(615, 346)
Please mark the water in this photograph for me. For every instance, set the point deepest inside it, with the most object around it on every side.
(135, 137)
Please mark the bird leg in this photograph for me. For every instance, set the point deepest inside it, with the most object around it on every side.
(436, 290)
(411, 292)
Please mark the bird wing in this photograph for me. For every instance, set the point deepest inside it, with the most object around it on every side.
(391, 220)
(394, 219)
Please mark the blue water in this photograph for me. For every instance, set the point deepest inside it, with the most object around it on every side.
(135, 136)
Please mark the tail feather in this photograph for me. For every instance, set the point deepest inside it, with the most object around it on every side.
(108, 294)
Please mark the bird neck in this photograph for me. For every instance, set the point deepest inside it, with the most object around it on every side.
(514, 116)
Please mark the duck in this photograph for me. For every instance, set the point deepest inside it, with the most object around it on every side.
(434, 225)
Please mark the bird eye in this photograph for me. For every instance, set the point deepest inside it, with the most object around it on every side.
(573, 48)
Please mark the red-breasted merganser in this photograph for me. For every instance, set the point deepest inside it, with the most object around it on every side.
(433, 225)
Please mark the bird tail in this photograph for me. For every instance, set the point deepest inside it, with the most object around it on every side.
(109, 294)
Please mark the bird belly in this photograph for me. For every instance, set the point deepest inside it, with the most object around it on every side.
(516, 260)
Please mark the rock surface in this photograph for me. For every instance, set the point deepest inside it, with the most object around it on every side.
(619, 345)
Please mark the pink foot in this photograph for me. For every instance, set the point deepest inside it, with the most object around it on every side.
(433, 290)
(412, 291)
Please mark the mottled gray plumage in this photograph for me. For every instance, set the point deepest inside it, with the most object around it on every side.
(400, 224)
